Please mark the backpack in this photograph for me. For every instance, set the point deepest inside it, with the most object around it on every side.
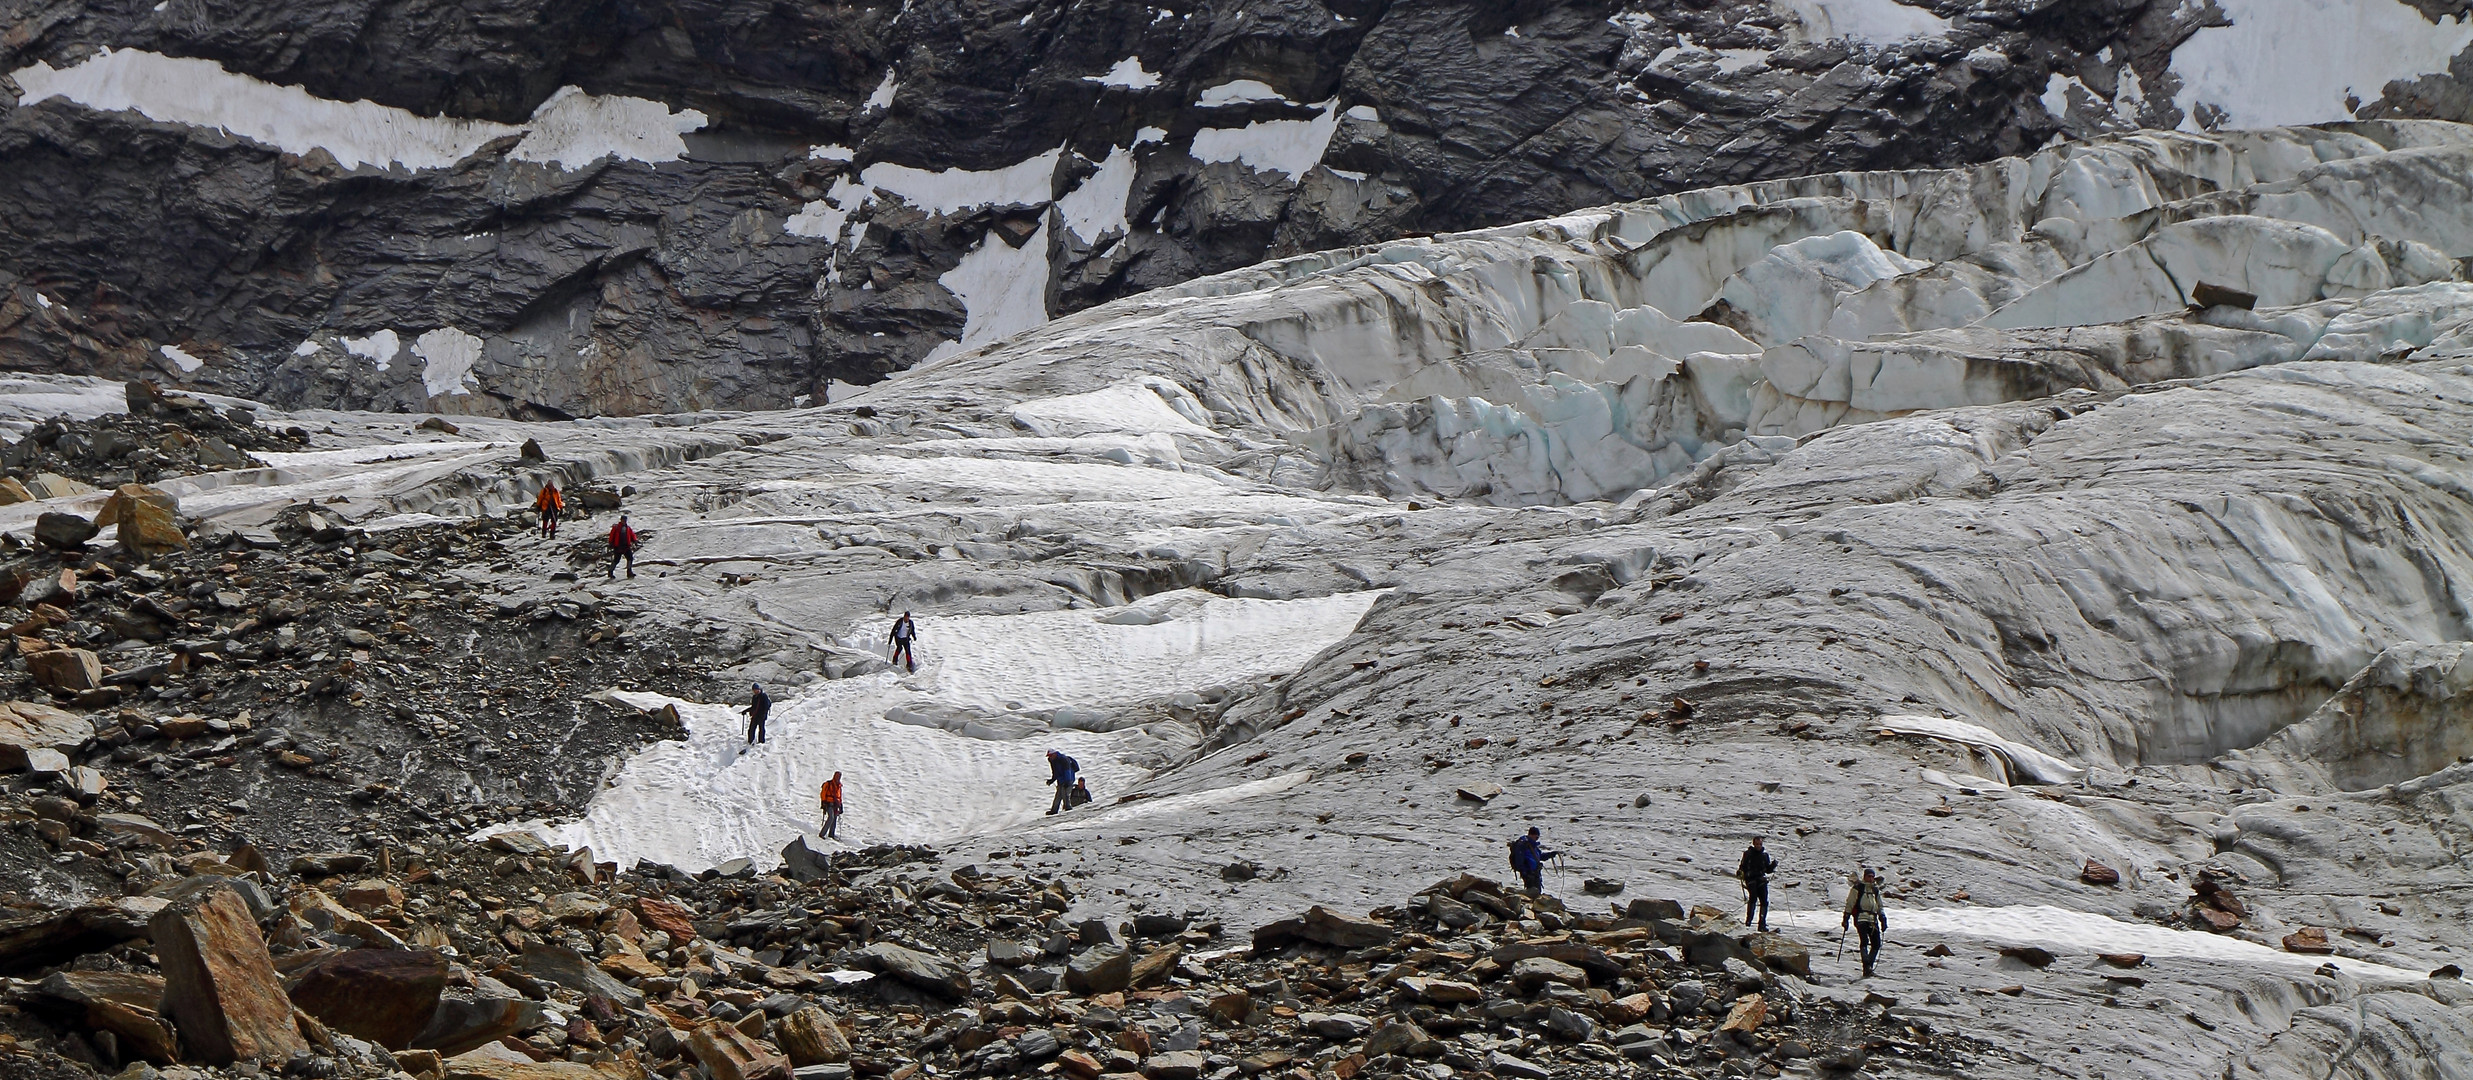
(1868, 901)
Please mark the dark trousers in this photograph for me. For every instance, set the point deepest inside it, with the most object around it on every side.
(1870, 934)
(832, 818)
(622, 553)
(1756, 900)
(1533, 880)
(1064, 796)
(755, 727)
(901, 655)
(549, 522)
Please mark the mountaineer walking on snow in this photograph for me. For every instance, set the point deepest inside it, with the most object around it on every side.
(1528, 859)
(759, 706)
(1061, 770)
(622, 546)
(1870, 916)
(550, 504)
(1754, 872)
(904, 632)
(831, 797)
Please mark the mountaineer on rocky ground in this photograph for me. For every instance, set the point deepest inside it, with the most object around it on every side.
(759, 706)
(1528, 859)
(904, 632)
(622, 546)
(1061, 771)
(1869, 916)
(1754, 872)
(549, 504)
(831, 798)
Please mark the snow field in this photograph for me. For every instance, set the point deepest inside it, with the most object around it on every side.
(2296, 62)
(571, 128)
(2081, 933)
(697, 803)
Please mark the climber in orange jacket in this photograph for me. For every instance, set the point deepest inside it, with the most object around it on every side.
(831, 796)
(550, 503)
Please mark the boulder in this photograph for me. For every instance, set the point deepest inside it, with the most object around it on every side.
(146, 525)
(1397, 1037)
(44, 938)
(67, 670)
(1536, 971)
(1322, 926)
(2308, 939)
(800, 862)
(1780, 954)
(562, 966)
(465, 1020)
(64, 532)
(320, 864)
(1337, 1027)
(1103, 969)
(728, 1054)
(51, 485)
(25, 726)
(810, 1037)
(913, 968)
(1749, 1010)
(1649, 910)
(1155, 967)
(12, 492)
(116, 506)
(667, 917)
(1505, 1065)
(219, 984)
(1439, 991)
(2029, 955)
(1176, 1065)
(387, 996)
(2095, 873)
(479, 1067)
(121, 1003)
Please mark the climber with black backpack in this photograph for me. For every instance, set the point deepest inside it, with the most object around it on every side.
(1869, 916)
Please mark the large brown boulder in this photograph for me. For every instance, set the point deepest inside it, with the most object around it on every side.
(219, 984)
(147, 523)
(466, 1021)
(44, 938)
(811, 1037)
(728, 1054)
(67, 670)
(387, 996)
(122, 1003)
(26, 726)
(1322, 926)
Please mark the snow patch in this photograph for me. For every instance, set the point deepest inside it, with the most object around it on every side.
(2298, 61)
(571, 128)
(1283, 146)
(1878, 22)
(2026, 763)
(1097, 207)
(1128, 73)
(834, 152)
(185, 362)
(2081, 933)
(1029, 182)
(447, 355)
(380, 348)
(307, 347)
(1238, 92)
(709, 798)
(1136, 407)
(1003, 289)
(882, 98)
(1367, 113)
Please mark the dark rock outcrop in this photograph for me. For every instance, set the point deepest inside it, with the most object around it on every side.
(183, 253)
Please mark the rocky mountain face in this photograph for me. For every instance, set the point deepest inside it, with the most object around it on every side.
(549, 208)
